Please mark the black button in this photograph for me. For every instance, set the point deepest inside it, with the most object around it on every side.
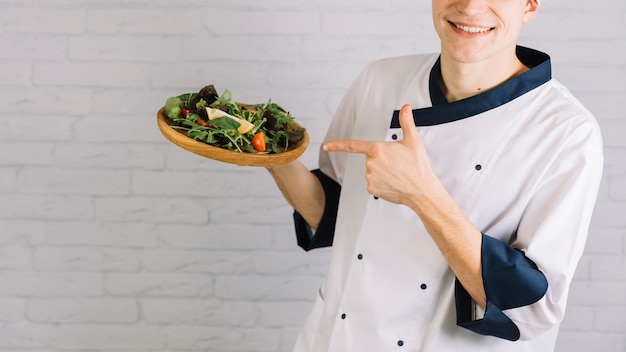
(360, 256)
(375, 197)
(423, 286)
(479, 167)
(394, 136)
(343, 316)
(400, 343)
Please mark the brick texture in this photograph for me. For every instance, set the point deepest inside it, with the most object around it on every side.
(112, 239)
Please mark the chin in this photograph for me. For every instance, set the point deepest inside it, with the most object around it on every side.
(467, 55)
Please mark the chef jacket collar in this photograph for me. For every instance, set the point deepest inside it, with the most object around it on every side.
(442, 111)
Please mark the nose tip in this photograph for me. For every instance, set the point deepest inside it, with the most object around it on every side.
(471, 7)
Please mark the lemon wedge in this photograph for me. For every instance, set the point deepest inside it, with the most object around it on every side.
(244, 126)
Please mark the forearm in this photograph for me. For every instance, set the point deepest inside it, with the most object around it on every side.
(302, 190)
(457, 238)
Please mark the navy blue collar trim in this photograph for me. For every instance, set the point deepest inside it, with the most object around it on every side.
(443, 112)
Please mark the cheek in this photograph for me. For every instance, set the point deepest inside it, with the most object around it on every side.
(513, 21)
(438, 23)
(515, 27)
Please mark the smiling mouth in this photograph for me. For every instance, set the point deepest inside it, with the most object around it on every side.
(470, 29)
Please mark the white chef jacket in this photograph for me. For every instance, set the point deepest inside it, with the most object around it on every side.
(524, 163)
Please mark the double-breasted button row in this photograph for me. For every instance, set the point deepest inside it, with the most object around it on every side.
(344, 316)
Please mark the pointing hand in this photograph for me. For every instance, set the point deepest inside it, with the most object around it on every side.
(399, 171)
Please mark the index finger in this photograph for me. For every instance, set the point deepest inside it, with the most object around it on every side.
(348, 145)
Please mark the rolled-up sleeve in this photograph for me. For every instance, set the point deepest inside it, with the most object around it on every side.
(527, 280)
(325, 232)
(511, 280)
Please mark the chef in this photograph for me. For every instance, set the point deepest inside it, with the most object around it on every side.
(456, 190)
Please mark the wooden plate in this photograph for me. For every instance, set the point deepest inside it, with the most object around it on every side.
(181, 139)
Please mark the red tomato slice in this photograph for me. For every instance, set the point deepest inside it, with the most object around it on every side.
(258, 141)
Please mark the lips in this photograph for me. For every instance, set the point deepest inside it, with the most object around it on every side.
(471, 29)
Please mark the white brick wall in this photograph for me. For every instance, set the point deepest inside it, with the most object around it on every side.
(112, 239)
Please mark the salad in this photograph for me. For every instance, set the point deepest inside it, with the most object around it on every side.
(220, 121)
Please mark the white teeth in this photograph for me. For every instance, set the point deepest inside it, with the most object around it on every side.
(472, 29)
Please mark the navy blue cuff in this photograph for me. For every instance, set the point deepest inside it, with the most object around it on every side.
(494, 323)
(325, 232)
(511, 280)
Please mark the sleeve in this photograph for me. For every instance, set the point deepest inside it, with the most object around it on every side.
(511, 280)
(527, 281)
(342, 127)
(331, 171)
(325, 232)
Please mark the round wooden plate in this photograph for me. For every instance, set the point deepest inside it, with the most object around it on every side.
(181, 139)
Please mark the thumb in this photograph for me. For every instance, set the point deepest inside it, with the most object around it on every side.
(407, 123)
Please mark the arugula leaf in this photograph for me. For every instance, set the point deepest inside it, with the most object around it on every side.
(224, 123)
(199, 135)
(282, 117)
(186, 98)
(278, 137)
(226, 103)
